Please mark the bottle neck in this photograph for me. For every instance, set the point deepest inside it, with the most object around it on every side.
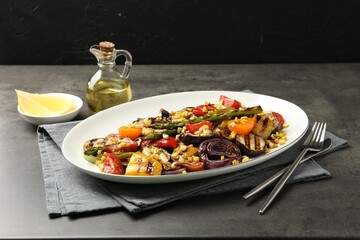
(106, 64)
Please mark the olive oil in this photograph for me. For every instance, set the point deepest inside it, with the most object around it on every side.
(108, 87)
(107, 93)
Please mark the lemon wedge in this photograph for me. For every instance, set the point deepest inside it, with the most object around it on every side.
(43, 104)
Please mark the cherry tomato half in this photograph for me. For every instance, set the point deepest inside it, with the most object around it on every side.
(125, 145)
(166, 142)
(241, 126)
(202, 110)
(130, 132)
(169, 142)
(193, 127)
(193, 166)
(229, 102)
(280, 118)
(113, 165)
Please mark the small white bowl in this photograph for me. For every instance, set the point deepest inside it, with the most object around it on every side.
(36, 120)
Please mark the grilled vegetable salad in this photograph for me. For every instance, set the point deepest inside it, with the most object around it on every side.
(211, 135)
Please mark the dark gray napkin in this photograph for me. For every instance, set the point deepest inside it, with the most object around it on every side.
(70, 191)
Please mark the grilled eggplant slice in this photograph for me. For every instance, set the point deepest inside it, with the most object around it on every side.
(188, 138)
(250, 145)
(265, 125)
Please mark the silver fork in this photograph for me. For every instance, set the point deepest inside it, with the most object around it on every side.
(313, 142)
(276, 176)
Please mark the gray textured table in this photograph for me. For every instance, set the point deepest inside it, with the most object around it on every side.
(328, 208)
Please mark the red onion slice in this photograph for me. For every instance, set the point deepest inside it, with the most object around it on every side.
(218, 152)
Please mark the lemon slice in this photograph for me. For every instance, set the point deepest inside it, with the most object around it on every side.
(43, 104)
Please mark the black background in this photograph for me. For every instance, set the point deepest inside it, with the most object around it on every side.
(181, 31)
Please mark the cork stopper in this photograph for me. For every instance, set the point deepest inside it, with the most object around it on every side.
(106, 46)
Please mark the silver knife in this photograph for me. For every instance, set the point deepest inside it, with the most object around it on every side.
(270, 180)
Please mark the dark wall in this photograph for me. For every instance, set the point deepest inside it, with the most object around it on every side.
(181, 31)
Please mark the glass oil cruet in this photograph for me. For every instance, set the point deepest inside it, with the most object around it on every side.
(108, 87)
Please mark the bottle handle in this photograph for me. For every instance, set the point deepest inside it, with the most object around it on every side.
(128, 62)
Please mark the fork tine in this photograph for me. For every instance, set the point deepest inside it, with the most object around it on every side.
(320, 136)
(323, 133)
(311, 134)
(317, 133)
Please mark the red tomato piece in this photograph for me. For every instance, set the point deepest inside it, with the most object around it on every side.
(146, 143)
(193, 127)
(129, 146)
(229, 102)
(193, 166)
(166, 142)
(280, 118)
(170, 142)
(202, 110)
(113, 165)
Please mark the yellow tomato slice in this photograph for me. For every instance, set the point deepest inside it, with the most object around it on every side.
(241, 126)
(130, 132)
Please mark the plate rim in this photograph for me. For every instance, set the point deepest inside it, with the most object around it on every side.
(180, 177)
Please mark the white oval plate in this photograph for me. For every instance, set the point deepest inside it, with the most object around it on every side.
(107, 121)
